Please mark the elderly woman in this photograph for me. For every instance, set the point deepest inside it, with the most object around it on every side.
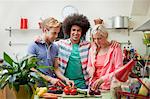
(103, 59)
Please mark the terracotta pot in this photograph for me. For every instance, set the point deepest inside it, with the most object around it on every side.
(3, 93)
(22, 93)
(12, 94)
(7, 93)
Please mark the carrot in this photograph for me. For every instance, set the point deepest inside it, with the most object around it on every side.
(49, 96)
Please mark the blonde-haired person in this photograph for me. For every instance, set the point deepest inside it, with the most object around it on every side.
(46, 51)
(103, 59)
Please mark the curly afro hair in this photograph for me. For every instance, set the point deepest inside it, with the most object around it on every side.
(75, 19)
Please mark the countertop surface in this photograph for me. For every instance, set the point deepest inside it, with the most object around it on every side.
(104, 95)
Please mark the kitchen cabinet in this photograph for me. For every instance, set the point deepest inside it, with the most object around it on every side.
(27, 34)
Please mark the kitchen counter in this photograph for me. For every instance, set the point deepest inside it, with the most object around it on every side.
(104, 95)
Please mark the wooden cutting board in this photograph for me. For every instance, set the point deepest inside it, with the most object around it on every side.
(81, 96)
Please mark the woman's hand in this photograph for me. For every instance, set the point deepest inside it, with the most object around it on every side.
(96, 84)
(69, 82)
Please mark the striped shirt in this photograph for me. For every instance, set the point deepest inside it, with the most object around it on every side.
(65, 49)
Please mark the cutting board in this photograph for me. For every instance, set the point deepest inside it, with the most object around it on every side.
(81, 96)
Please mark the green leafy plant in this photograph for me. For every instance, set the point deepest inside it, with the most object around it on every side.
(146, 39)
(16, 73)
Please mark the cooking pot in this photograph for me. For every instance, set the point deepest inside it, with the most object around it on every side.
(120, 22)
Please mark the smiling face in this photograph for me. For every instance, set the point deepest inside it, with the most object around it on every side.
(75, 34)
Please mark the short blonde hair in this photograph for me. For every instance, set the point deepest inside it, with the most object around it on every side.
(99, 28)
(50, 23)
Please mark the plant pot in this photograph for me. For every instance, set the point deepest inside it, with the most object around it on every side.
(12, 94)
(22, 93)
(3, 93)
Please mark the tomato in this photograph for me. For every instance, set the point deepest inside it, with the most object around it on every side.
(73, 91)
(70, 91)
(67, 90)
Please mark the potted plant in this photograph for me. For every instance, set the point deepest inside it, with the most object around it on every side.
(18, 74)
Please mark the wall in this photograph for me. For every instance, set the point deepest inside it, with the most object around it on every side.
(12, 10)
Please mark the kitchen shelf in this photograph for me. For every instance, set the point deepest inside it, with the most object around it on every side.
(10, 30)
(20, 29)
(128, 42)
(13, 44)
(128, 29)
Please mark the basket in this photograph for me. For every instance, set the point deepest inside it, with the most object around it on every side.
(133, 95)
